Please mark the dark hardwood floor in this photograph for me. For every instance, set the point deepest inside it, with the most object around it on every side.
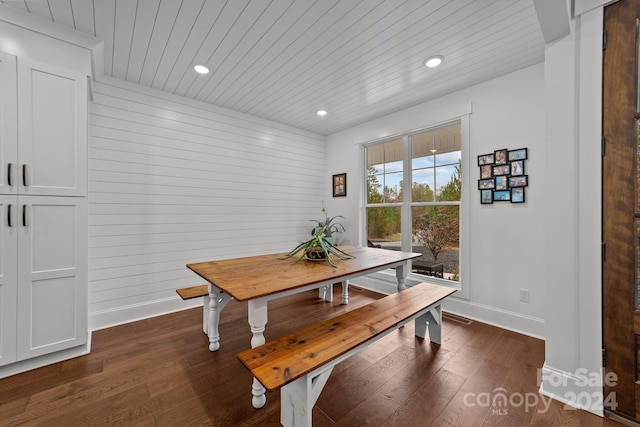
(159, 372)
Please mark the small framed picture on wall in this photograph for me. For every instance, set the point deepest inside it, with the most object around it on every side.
(340, 185)
(486, 197)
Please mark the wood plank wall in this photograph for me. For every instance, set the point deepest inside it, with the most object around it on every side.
(173, 181)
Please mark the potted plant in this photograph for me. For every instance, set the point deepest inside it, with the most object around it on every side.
(321, 245)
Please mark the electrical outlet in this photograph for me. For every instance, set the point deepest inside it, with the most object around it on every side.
(524, 295)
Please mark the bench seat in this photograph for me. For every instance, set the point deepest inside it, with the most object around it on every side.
(193, 292)
(300, 363)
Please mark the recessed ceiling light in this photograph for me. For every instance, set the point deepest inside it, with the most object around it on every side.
(322, 112)
(433, 61)
(201, 69)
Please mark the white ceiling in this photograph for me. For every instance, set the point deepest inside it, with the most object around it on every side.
(284, 59)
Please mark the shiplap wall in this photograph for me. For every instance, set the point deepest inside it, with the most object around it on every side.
(173, 181)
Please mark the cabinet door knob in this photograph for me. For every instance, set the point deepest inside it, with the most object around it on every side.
(10, 175)
(25, 181)
(9, 220)
(24, 215)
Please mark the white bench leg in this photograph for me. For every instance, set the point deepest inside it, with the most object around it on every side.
(205, 313)
(298, 398)
(433, 320)
(326, 293)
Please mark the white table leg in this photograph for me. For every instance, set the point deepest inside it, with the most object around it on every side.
(345, 292)
(401, 276)
(217, 302)
(257, 320)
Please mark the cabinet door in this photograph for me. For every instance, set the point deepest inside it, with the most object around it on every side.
(52, 126)
(52, 274)
(8, 125)
(8, 278)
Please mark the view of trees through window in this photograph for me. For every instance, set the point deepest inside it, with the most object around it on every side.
(432, 161)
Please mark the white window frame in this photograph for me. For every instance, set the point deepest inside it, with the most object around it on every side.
(385, 281)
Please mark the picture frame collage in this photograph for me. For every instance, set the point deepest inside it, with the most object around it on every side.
(502, 176)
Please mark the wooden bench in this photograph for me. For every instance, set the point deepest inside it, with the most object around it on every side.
(300, 363)
(194, 292)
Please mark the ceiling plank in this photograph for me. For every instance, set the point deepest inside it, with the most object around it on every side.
(282, 59)
(105, 15)
(234, 55)
(269, 47)
(209, 34)
(384, 78)
(318, 34)
(83, 16)
(188, 13)
(398, 37)
(145, 20)
(284, 50)
(125, 19)
(62, 12)
(36, 7)
(163, 28)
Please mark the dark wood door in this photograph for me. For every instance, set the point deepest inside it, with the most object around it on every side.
(620, 212)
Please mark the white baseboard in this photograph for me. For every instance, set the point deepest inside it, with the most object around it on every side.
(527, 325)
(580, 390)
(131, 313)
(516, 322)
(45, 360)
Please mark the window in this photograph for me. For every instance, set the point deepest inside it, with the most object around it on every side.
(413, 197)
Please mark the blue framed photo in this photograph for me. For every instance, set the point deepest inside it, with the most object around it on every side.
(502, 196)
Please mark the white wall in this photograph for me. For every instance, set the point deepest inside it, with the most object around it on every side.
(506, 250)
(573, 81)
(173, 182)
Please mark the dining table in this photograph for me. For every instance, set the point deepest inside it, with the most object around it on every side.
(259, 279)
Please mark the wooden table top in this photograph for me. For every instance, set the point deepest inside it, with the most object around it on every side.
(259, 276)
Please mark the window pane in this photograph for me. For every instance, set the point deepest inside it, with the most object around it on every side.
(448, 183)
(436, 234)
(384, 172)
(383, 226)
(450, 158)
(435, 164)
(421, 187)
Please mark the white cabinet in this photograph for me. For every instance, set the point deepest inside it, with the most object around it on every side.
(49, 155)
(43, 275)
(8, 280)
(8, 124)
(43, 184)
(52, 274)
